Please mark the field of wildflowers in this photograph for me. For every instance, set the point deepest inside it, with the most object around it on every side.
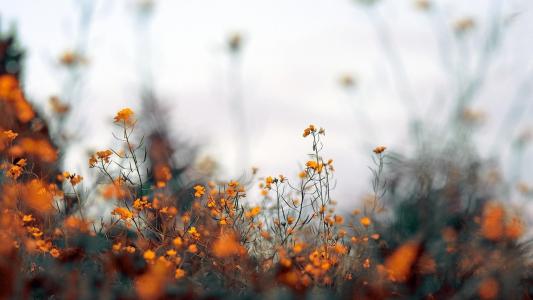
(435, 225)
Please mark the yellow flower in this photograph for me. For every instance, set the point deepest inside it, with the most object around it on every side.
(194, 233)
(171, 252)
(27, 218)
(199, 191)
(124, 115)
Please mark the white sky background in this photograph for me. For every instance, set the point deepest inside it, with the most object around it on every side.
(294, 53)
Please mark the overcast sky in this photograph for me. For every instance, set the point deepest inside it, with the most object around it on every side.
(294, 53)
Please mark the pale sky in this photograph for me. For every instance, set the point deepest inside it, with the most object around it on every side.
(294, 53)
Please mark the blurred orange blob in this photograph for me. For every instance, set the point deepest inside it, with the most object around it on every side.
(488, 289)
(37, 196)
(39, 148)
(514, 228)
(151, 284)
(227, 245)
(492, 221)
(400, 262)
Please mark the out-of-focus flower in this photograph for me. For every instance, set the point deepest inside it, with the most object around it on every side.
(177, 242)
(379, 149)
(473, 117)
(149, 255)
(55, 253)
(347, 81)
(365, 221)
(179, 274)
(10, 135)
(227, 245)
(464, 25)
(514, 228)
(423, 4)
(488, 289)
(192, 248)
(58, 107)
(71, 58)
(399, 264)
(162, 175)
(38, 196)
(235, 42)
(492, 226)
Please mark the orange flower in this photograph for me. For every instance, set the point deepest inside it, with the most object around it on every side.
(309, 130)
(365, 221)
(125, 115)
(149, 255)
(253, 212)
(14, 172)
(179, 274)
(315, 165)
(122, 212)
(75, 179)
(178, 242)
(104, 155)
(379, 149)
(192, 248)
(199, 191)
(10, 135)
(54, 252)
